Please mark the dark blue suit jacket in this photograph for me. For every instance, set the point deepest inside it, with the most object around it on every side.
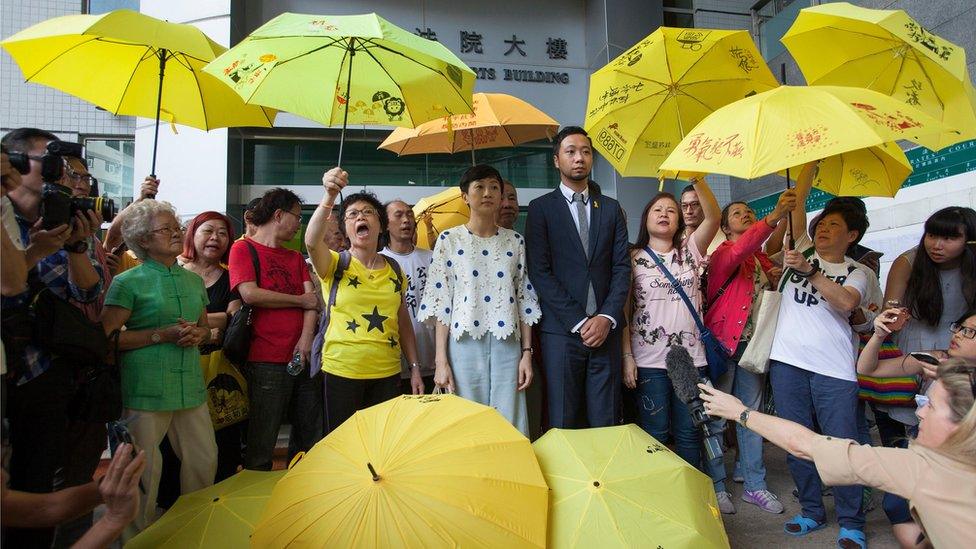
(559, 268)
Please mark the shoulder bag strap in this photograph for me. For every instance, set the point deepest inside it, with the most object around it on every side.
(345, 257)
(677, 287)
(786, 273)
(725, 286)
(255, 262)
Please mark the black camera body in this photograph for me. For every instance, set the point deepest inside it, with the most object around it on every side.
(18, 161)
(58, 207)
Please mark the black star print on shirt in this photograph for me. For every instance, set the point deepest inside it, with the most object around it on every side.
(393, 342)
(375, 320)
(354, 282)
(397, 285)
(352, 325)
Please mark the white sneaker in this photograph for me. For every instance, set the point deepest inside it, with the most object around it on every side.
(725, 503)
(764, 499)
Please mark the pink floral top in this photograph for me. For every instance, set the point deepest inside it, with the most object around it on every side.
(659, 317)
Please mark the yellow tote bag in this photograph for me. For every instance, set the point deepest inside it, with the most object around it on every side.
(226, 390)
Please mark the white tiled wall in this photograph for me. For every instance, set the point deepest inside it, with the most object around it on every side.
(24, 104)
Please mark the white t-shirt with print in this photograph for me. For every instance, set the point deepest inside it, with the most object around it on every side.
(415, 266)
(810, 333)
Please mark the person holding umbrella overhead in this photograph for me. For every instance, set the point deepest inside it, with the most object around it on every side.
(369, 324)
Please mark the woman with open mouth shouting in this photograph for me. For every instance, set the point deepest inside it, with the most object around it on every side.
(479, 295)
(368, 321)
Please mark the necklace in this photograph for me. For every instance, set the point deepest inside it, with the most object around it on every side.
(369, 267)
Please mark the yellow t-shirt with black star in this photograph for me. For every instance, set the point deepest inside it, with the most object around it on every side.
(363, 337)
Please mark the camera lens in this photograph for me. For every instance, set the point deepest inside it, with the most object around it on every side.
(20, 162)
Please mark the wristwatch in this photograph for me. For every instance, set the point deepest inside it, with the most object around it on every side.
(155, 337)
(415, 365)
(744, 417)
(529, 349)
(79, 247)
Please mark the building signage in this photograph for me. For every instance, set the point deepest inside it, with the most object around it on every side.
(472, 42)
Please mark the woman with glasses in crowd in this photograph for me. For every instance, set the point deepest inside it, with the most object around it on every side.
(369, 325)
(163, 308)
(480, 298)
(936, 473)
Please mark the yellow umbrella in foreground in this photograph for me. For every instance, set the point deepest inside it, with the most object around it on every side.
(643, 102)
(874, 171)
(133, 64)
(441, 211)
(792, 125)
(619, 487)
(889, 52)
(497, 120)
(415, 471)
(221, 516)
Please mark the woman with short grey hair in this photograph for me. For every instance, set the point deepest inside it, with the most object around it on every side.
(163, 309)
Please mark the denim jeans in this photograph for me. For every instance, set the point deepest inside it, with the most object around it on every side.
(660, 412)
(747, 387)
(273, 392)
(800, 396)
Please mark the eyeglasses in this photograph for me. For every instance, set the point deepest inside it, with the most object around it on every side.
(367, 212)
(690, 205)
(921, 401)
(967, 332)
(79, 177)
(207, 233)
(298, 216)
(168, 231)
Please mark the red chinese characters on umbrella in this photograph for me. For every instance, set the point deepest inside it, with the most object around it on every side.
(895, 121)
(705, 147)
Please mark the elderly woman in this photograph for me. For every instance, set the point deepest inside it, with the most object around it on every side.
(936, 473)
(162, 307)
(369, 322)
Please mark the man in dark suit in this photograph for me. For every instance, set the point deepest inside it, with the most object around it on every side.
(578, 261)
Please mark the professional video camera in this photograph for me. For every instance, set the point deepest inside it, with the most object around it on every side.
(58, 207)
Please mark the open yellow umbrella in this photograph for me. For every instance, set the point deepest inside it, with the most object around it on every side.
(791, 125)
(221, 516)
(358, 69)
(441, 211)
(133, 64)
(497, 120)
(874, 171)
(619, 487)
(889, 52)
(415, 471)
(643, 102)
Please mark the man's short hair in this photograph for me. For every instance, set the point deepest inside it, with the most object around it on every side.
(272, 201)
(687, 189)
(567, 131)
(22, 139)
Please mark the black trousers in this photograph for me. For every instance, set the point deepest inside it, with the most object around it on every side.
(583, 384)
(344, 396)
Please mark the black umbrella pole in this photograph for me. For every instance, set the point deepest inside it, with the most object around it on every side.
(345, 114)
(159, 104)
(789, 215)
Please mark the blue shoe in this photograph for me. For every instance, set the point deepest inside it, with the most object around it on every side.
(851, 539)
(801, 525)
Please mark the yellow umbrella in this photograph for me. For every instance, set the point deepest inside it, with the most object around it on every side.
(619, 487)
(497, 120)
(120, 61)
(221, 516)
(415, 471)
(889, 52)
(358, 69)
(791, 125)
(874, 171)
(644, 101)
(441, 211)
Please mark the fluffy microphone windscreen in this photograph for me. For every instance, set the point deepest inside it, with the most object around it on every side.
(682, 372)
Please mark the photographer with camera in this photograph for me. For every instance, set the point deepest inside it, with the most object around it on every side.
(56, 232)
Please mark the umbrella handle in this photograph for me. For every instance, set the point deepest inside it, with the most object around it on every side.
(789, 217)
(159, 101)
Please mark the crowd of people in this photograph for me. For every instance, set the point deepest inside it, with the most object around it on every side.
(567, 325)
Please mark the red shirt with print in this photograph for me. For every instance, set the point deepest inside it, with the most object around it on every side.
(275, 332)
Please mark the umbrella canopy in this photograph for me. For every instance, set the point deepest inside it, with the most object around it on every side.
(441, 211)
(619, 487)
(113, 61)
(221, 516)
(497, 120)
(891, 53)
(646, 100)
(874, 171)
(120, 61)
(350, 69)
(792, 125)
(415, 471)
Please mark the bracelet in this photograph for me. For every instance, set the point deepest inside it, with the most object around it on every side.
(415, 365)
(527, 349)
(631, 355)
(814, 269)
